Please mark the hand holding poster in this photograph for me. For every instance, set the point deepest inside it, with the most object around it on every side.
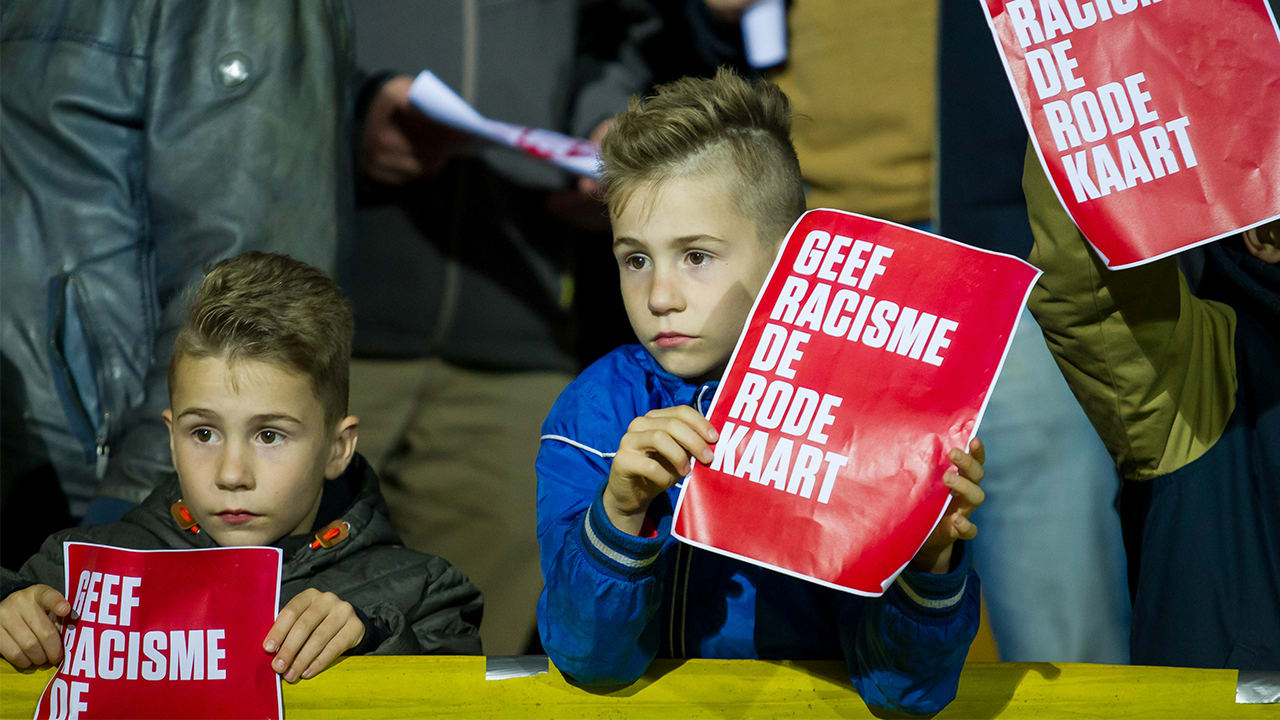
(869, 354)
(1155, 119)
(435, 100)
(166, 633)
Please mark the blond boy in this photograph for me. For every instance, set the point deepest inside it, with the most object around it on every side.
(265, 455)
(702, 184)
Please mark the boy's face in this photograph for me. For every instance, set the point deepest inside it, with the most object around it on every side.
(252, 448)
(690, 267)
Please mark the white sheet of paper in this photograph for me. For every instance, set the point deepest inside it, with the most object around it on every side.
(1258, 687)
(764, 33)
(515, 666)
(440, 103)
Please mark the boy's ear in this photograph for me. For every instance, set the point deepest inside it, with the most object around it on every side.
(168, 423)
(343, 446)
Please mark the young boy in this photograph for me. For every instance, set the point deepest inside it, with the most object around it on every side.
(702, 184)
(264, 453)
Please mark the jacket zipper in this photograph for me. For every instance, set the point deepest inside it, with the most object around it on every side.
(684, 561)
(102, 439)
(95, 440)
(680, 601)
(103, 449)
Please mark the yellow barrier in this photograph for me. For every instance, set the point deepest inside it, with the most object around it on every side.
(455, 687)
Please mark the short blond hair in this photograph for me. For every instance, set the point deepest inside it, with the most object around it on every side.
(697, 125)
(273, 308)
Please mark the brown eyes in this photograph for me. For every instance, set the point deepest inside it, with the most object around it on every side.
(204, 436)
(640, 262)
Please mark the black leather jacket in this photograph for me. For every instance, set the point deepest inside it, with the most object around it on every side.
(143, 141)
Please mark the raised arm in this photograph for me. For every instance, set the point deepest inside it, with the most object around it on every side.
(1151, 364)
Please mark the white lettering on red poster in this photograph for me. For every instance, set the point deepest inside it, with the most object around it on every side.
(1156, 120)
(166, 633)
(869, 354)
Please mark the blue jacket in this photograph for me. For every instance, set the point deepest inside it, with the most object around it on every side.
(613, 602)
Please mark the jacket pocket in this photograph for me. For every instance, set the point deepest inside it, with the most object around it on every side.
(75, 363)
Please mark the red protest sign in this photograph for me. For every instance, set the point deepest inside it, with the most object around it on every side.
(166, 633)
(1155, 119)
(868, 355)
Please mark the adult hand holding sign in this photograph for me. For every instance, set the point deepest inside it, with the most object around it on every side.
(441, 104)
(29, 627)
(400, 144)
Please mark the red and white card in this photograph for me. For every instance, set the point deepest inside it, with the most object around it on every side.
(869, 354)
(1155, 120)
(167, 633)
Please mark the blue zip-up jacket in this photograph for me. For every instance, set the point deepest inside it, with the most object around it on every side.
(613, 602)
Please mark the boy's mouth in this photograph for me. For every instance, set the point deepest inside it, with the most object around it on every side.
(236, 517)
(671, 339)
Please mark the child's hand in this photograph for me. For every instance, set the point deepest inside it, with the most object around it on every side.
(311, 632)
(935, 555)
(29, 626)
(653, 455)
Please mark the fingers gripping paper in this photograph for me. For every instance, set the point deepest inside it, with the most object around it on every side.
(166, 633)
(869, 354)
(1156, 120)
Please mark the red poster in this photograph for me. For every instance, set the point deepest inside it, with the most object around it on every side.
(167, 633)
(1156, 120)
(868, 355)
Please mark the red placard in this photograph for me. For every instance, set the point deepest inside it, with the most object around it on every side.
(167, 633)
(869, 354)
(1156, 120)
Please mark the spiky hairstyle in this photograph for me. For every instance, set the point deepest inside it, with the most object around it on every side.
(702, 125)
(273, 308)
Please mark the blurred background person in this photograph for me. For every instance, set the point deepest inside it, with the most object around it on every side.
(463, 277)
(476, 275)
(1051, 551)
(140, 143)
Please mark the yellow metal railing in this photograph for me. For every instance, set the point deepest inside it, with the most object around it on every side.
(455, 687)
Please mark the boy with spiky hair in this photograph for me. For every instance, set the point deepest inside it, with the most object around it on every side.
(702, 184)
(265, 455)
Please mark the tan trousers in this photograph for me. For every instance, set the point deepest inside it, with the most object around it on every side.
(455, 450)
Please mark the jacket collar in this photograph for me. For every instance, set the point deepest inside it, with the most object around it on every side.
(675, 390)
(363, 520)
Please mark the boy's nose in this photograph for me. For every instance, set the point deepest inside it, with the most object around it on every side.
(233, 472)
(664, 294)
